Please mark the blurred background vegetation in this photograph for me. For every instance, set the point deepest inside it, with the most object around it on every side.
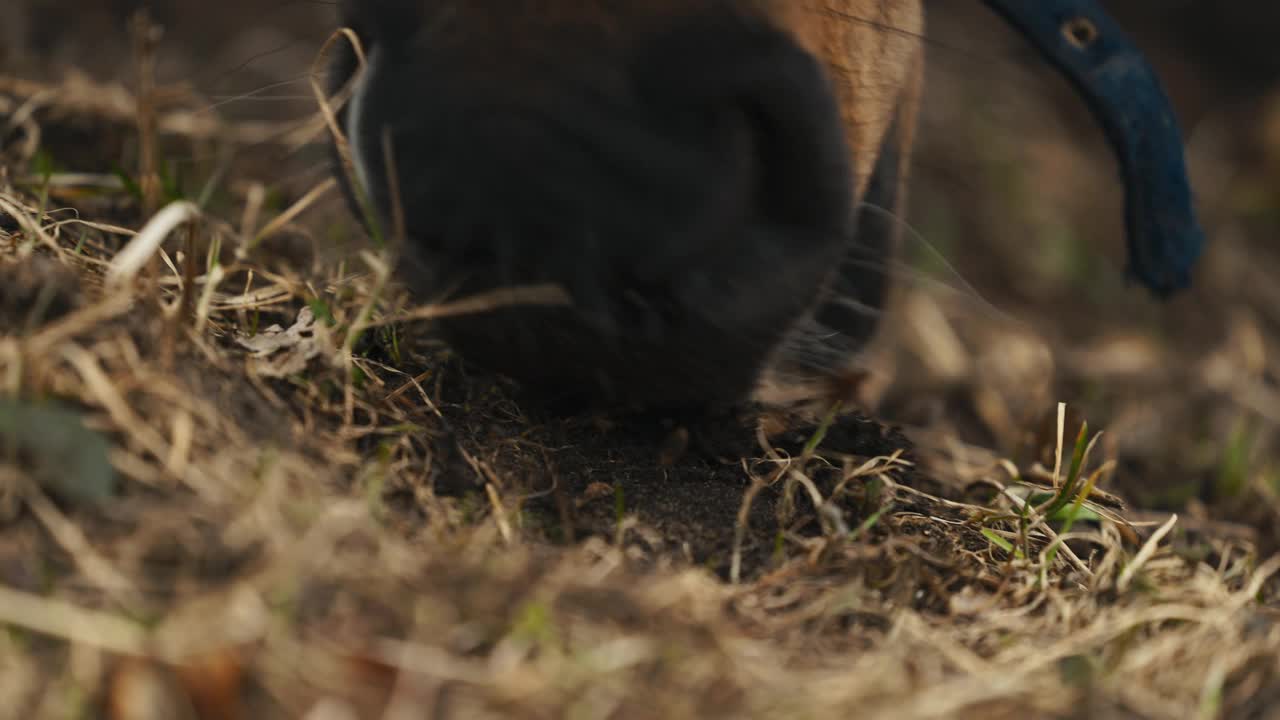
(1016, 204)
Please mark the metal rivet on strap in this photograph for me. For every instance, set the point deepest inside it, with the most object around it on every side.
(1080, 32)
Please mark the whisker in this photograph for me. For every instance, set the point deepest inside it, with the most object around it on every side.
(970, 54)
(901, 269)
(816, 346)
(267, 13)
(256, 92)
(227, 74)
(271, 98)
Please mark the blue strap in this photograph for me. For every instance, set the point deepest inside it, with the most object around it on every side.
(1122, 90)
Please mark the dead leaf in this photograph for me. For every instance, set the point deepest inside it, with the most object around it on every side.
(277, 352)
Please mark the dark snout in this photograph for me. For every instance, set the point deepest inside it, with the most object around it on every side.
(687, 185)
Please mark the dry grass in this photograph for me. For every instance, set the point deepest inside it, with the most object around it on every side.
(332, 519)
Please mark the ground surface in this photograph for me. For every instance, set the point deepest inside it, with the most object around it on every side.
(253, 488)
